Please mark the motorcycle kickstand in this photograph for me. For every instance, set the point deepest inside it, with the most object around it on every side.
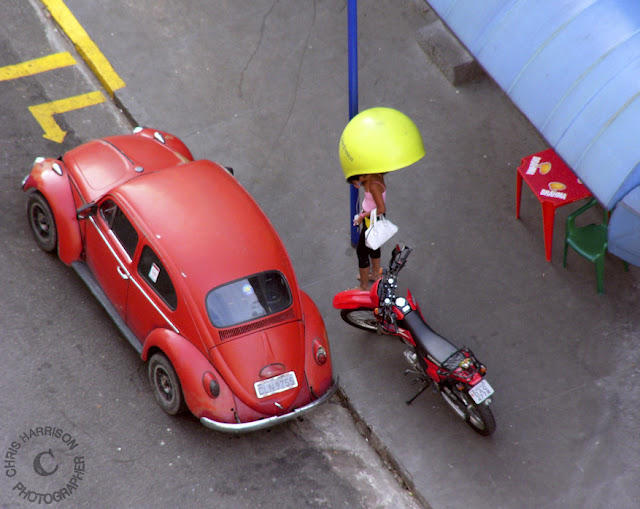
(422, 389)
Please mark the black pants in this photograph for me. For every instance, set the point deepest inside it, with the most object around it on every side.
(364, 252)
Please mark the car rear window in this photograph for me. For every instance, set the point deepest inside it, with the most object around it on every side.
(248, 299)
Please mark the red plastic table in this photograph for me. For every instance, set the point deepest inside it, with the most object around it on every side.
(553, 183)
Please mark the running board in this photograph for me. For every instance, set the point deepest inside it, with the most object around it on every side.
(85, 274)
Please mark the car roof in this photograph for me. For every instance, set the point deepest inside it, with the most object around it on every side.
(99, 165)
(204, 223)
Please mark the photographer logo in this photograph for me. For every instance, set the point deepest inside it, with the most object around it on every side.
(44, 465)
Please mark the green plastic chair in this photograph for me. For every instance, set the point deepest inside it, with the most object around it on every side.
(589, 241)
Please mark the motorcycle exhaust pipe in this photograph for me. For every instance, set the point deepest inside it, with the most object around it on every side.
(412, 358)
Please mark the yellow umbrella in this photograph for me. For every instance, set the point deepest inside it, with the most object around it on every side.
(379, 140)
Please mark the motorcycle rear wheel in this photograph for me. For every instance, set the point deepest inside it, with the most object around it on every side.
(479, 417)
(361, 318)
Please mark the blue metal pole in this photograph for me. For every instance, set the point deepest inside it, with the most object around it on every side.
(352, 15)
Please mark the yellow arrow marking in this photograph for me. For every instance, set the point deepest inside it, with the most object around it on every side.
(85, 46)
(44, 113)
(38, 65)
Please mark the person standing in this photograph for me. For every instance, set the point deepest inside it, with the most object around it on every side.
(375, 194)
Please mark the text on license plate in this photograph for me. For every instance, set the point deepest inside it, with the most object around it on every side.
(276, 384)
(481, 391)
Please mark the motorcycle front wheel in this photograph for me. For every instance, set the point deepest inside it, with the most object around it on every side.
(479, 417)
(361, 318)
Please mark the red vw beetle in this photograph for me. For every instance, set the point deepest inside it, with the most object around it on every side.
(192, 273)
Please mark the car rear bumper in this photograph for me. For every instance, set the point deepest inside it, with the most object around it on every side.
(245, 427)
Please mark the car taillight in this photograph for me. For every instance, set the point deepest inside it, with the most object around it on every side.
(211, 385)
(319, 352)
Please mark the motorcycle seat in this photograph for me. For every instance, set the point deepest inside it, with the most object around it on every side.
(428, 341)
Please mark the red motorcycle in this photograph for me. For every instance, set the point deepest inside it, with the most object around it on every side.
(456, 373)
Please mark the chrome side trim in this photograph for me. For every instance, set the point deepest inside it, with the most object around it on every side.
(245, 427)
(133, 280)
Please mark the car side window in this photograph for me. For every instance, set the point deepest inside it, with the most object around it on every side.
(153, 272)
(120, 226)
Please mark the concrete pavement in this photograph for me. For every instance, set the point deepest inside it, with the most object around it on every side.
(262, 86)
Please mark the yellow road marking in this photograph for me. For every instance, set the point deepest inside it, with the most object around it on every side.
(35, 66)
(85, 46)
(44, 113)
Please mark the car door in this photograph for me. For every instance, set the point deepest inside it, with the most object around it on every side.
(111, 241)
(152, 298)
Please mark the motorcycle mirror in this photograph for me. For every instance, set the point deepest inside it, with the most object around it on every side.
(398, 249)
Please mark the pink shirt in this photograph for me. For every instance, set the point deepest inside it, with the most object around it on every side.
(368, 203)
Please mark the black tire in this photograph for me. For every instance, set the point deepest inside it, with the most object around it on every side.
(42, 222)
(165, 384)
(361, 318)
(479, 417)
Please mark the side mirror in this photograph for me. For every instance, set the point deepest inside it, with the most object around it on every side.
(86, 211)
(399, 256)
(398, 249)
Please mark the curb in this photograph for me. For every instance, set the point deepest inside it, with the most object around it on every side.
(448, 54)
(403, 477)
(83, 44)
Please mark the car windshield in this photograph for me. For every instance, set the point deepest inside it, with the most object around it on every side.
(248, 298)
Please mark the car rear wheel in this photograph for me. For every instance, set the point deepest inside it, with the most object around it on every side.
(165, 384)
(42, 222)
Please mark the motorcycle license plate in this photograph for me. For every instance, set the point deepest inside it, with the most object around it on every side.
(481, 391)
(276, 384)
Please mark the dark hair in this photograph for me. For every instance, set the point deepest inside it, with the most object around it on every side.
(353, 178)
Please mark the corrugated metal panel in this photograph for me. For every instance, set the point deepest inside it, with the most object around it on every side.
(624, 234)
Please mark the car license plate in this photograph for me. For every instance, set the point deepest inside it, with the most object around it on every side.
(276, 384)
(481, 391)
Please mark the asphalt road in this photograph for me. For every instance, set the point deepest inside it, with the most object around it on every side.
(261, 85)
(76, 411)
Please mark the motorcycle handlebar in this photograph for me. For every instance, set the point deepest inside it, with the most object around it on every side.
(398, 259)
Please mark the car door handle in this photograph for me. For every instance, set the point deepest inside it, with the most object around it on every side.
(122, 271)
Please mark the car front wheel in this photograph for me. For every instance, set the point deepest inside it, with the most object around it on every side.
(165, 384)
(42, 222)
